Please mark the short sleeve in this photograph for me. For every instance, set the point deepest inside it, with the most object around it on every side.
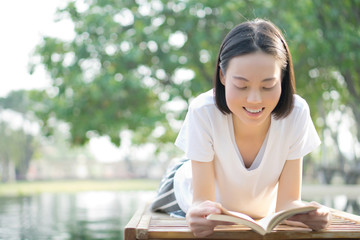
(304, 138)
(195, 136)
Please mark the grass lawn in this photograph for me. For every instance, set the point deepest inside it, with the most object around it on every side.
(29, 188)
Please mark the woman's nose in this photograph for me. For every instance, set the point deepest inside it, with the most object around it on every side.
(254, 96)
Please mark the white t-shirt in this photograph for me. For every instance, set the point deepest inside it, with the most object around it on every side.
(207, 135)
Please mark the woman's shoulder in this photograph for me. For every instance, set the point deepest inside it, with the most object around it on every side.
(300, 104)
(301, 109)
(205, 99)
(299, 113)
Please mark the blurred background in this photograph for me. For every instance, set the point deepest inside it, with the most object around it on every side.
(93, 93)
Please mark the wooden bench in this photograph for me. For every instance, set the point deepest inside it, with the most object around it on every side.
(149, 225)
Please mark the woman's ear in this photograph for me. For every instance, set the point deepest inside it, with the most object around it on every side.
(222, 77)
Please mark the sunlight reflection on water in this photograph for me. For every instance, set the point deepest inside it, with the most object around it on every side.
(84, 215)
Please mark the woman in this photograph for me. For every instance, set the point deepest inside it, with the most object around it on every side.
(244, 139)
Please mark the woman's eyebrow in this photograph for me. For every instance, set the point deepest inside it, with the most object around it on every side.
(246, 80)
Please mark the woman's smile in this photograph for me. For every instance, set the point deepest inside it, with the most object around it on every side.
(254, 111)
(250, 94)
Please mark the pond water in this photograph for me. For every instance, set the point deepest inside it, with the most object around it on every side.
(83, 215)
(88, 215)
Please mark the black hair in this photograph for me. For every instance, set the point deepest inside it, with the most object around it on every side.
(254, 36)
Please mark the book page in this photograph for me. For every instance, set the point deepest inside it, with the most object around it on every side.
(242, 220)
(271, 221)
(265, 222)
(240, 215)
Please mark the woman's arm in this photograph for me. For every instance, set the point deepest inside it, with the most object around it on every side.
(203, 176)
(289, 195)
(289, 188)
(203, 199)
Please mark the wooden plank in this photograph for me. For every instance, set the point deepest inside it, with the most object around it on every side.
(346, 215)
(143, 227)
(248, 234)
(130, 228)
(166, 222)
(149, 225)
(176, 229)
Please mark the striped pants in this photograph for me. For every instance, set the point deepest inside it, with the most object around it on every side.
(165, 201)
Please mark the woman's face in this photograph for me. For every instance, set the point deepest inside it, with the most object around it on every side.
(252, 87)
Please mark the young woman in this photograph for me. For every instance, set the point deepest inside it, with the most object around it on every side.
(245, 139)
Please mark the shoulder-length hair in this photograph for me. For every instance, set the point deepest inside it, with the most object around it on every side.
(249, 37)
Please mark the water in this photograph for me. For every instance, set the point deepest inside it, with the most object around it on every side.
(83, 215)
(90, 215)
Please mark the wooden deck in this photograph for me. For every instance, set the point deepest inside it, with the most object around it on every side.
(148, 225)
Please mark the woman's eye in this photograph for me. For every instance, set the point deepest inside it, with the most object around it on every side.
(268, 88)
(242, 88)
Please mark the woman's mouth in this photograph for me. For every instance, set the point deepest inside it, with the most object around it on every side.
(254, 110)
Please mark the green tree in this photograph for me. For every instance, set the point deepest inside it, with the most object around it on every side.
(324, 37)
(16, 150)
(17, 145)
(129, 59)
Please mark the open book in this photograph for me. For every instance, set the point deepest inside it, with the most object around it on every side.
(262, 226)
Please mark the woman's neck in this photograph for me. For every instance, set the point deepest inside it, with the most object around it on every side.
(245, 131)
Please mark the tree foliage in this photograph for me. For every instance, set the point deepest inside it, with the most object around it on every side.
(136, 64)
(21, 143)
(17, 145)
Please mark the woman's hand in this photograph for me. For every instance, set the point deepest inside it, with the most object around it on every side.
(196, 218)
(316, 220)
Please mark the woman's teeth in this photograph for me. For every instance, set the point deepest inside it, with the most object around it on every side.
(253, 110)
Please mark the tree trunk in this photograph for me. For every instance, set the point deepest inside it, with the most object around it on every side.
(7, 170)
(21, 170)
